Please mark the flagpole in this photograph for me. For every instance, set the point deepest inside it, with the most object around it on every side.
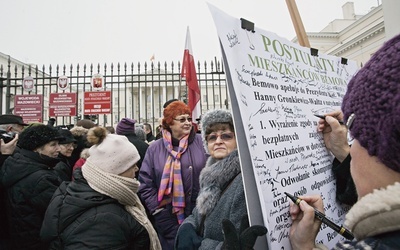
(297, 23)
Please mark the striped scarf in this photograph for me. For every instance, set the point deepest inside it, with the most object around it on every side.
(124, 190)
(173, 181)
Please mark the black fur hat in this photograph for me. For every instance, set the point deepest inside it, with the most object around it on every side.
(36, 136)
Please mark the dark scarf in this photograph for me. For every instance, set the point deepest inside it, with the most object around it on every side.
(40, 158)
(192, 136)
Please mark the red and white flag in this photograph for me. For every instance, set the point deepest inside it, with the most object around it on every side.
(189, 73)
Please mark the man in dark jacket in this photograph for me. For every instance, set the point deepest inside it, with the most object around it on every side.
(149, 132)
(10, 127)
(127, 127)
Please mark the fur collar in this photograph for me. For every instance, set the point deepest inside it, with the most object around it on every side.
(375, 213)
(214, 178)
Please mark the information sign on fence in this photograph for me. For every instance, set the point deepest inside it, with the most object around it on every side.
(98, 102)
(62, 104)
(29, 107)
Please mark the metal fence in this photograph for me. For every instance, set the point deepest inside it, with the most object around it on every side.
(138, 90)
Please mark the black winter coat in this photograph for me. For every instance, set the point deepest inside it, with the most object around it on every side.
(141, 147)
(79, 217)
(29, 180)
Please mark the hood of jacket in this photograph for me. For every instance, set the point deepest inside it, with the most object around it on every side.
(69, 202)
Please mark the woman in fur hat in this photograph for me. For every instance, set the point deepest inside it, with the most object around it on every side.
(100, 209)
(371, 109)
(30, 180)
(221, 194)
(170, 172)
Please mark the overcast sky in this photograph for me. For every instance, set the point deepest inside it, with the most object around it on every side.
(48, 32)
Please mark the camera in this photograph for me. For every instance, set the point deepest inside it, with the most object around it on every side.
(7, 136)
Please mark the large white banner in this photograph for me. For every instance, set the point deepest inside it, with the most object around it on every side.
(276, 87)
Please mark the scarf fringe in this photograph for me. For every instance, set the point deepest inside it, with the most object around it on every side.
(171, 179)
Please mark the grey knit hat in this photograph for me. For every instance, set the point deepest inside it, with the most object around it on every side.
(212, 117)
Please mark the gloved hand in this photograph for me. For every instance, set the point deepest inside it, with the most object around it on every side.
(187, 238)
(245, 239)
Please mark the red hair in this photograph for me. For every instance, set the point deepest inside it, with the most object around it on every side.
(173, 110)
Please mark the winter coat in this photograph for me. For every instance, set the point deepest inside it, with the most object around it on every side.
(80, 135)
(192, 162)
(79, 217)
(375, 221)
(150, 137)
(30, 181)
(64, 167)
(221, 197)
(140, 145)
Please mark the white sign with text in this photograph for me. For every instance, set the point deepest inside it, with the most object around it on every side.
(278, 87)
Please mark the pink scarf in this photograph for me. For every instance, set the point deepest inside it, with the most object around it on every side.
(173, 181)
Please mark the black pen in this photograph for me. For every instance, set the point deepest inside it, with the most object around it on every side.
(323, 117)
(320, 216)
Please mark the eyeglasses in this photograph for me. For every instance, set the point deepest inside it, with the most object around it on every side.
(212, 138)
(183, 120)
(69, 145)
(348, 125)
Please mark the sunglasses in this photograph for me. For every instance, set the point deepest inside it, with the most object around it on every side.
(69, 145)
(211, 138)
(183, 120)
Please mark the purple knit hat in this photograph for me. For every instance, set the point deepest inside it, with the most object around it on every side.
(125, 127)
(373, 96)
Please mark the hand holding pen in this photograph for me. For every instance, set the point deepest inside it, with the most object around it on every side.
(304, 229)
(307, 221)
(335, 135)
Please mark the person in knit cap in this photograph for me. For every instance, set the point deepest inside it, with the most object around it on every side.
(371, 109)
(221, 194)
(170, 172)
(100, 209)
(126, 127)
(30, 179)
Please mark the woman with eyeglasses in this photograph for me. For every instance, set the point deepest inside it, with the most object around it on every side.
(67, 146)
(221, 190)
(170, 172)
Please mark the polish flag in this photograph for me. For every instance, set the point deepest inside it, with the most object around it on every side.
(189, 73)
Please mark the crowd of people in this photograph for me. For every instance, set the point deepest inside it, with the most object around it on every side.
(123, 187)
